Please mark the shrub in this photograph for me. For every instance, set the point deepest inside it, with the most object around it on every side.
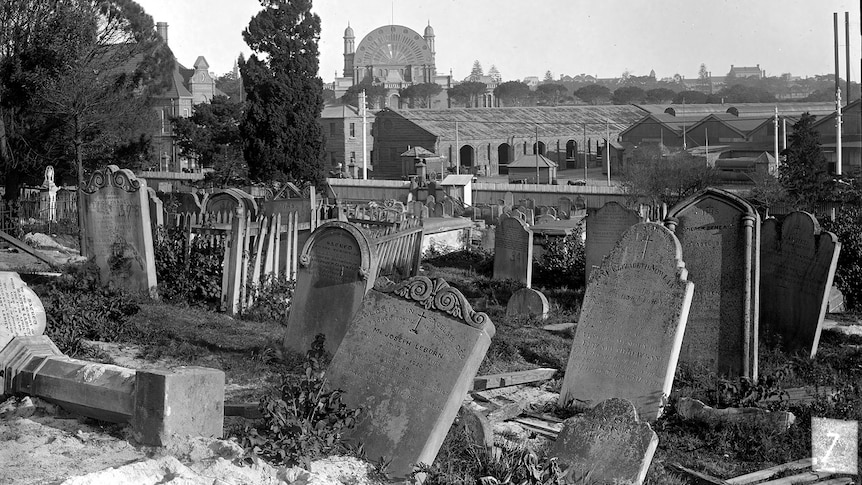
(302, 421)
(848, 275)
(79, 307)
(563, 261)
(196, 282)
(475, 260)
(272, 300)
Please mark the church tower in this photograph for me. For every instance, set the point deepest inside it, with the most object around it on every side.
(349, 49)
(429, 39)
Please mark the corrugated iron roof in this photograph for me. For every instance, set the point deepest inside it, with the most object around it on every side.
(531, 160)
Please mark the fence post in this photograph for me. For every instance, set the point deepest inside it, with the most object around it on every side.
(233, 260)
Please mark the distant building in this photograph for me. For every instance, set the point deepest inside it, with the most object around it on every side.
(342, 130)
(851, 138)
(747, 71)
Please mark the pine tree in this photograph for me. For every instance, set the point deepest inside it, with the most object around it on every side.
(495, 74)
(804, 174)
(281, 135)
(477, 73)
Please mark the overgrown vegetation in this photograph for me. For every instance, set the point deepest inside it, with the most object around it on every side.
(272, 300)
(562, 264)
(188, 274)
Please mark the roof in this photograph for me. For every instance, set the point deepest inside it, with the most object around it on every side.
(742, 110)
(339, 111)
(670, 122)
(830, 117)
(457, 180)
(740, 125)
(418, 152)
(530, 161)
(521, 122)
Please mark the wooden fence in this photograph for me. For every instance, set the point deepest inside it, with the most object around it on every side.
(398, 247)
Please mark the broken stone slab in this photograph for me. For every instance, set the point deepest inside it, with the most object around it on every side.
(774, 421)
(608, 443)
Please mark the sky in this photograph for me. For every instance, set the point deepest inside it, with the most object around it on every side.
(603, 38)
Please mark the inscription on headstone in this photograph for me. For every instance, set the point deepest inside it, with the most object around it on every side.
(337, 268)
(632, 322)
(21, 310)
(408, 359)
(513, 251)
(798, 265)
(604, 229)
(720, 238)
(118, 234)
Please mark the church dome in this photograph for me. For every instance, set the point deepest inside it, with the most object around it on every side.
(429, 32)
(348, 32)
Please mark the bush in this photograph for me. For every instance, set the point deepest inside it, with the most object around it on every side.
(198, 282)
(79, 307)
(563, 262)
(272, 300)
(475, 260)
(848, 276)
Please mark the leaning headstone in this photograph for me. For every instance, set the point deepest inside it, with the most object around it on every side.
(21, 310)
(408, 359)
(836, 301)
(607, 444)
(513, 251)
(604, 229)
(528, 302)
(118, 234)
(720, 237)
(798, 263)
(337, 268)
(632, 322)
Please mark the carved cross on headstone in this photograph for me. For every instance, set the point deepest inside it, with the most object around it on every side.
(646, 238)
(418, 321)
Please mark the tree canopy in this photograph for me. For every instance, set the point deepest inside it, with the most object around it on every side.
(211, 137)
(804, 173)
(513, 93)
(420, 94)
(665, 177)
(659, 95)
(628, 95)
(593, 94)
(467, 93)
(550, 94)
(375, 94)
(476, 73)
(283, 139)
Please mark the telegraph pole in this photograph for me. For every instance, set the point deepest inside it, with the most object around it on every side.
(364, 134)
(585, 153)
(608, 149)
(537, 156)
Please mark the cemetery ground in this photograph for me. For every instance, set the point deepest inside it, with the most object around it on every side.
(116, 328)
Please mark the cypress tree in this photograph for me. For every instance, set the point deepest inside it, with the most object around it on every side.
(804, 174)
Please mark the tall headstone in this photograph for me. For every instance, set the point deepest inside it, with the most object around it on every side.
(607, 443)
(604, 228)
(118, 234)
(798, 266)
(21, 310)
(720, 237)
(337, 267)
(513, 251)
(508, 200)
(632, 323)
(408, 359)
(564, 206)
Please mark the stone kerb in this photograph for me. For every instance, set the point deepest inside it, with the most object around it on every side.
(408, 359)
(337, 267)
(513, 251)
(799, 262)
(632, 322)
(720, 237)
(118, 232)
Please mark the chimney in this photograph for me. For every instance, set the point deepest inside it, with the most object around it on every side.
(162, 29)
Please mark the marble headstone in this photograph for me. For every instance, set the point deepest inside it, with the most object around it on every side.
(513, 251)
(21, 310)
(798, 267)
(720, 237)
(337, 268)
(604, 228)
(528, 302)
(632, 323)
(408, 359)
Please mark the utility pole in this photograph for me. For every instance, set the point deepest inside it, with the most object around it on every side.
(364, 136)
(838, 132)
(776, 134)
(538, 181)
(585, 154)
(608, 148)
(457, 151)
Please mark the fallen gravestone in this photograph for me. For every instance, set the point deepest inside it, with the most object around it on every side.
(632, 322)
(798, 263)
(408, 359)
(607, 444)
(528, 302)
(720, 237)
(337, 268)
(604, 228)
(836, 301)
(118, 234)
(21, 310)
(513, 251)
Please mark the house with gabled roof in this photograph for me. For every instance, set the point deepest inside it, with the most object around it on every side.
(851, 137)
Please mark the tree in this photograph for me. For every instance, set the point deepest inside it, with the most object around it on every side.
(628, 95)
(231, 83)
(549, 76)
(494, 74)
(804, 173)
(375, 94)
(659, 95)
(593, 94)
(421, 94)
(513, 93)
(476, 73)
(665, 178)
(467, 93)
(212, 137)
(550, 94)
(282, 138)
(703, 75)
(739, 93)
(690, 97)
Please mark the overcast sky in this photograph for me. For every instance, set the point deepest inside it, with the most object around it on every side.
(598, 37)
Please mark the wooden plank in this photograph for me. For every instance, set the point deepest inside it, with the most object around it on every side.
(767, 473)
(276, 256)
(27, 248)
(538, 427)
(258, 253)
(836, 481)
(807, 477)
(506, 379)
(698, 477)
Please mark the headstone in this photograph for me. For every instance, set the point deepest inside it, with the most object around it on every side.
(337, 268)
(604, 228)
(720, 237)
(513, 251)
(564, 207)
(448, 208)
(632, 323)
(408, 359)
(798, 266)
(608, 443)
(225, 201)
(508, 200)
(528, 302)
(157, 210)
(545, 219)
(21, 310)
(437, 210)
(118, 234)
(836, 301)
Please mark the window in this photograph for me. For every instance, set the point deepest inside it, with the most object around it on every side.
(332, 159)
(185, 113)
(352, 130)
(332, 128)
(353, 156)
